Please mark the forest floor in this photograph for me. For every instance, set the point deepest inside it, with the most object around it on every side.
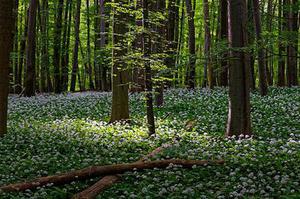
(50, 134)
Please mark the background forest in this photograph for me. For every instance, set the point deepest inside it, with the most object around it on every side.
(72, 41)
(149, 99)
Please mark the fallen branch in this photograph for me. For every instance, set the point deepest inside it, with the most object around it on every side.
(96, 171)
(107, 181)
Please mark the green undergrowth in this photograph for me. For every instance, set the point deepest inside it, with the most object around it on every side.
(51, 134)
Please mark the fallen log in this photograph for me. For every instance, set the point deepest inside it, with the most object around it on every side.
(107, 181)
(95, 171)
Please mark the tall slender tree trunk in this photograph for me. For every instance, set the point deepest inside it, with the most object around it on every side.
(76, 47)
(191, 72)
(15, 49)
(172, 29)
(263, 87)
(148, 75)
(104, 14)
(44, 44)
(88, 24)
(22, 53)
(239, 91)
(120, 98)
(207, 44)
(160, 7)
(57, 46)
(6, 46)
(30, 50)
(223, 34)
(251, 38)
(281, 59)
(66, 46)
(292, 48)
(138, 73)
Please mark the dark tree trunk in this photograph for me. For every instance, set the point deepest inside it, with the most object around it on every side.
(66, 46)
(224, 27)
(160, 47)
(97, 46)
(239, 91)
(263, 87)
(104, 13)
(22, 54)
(6, 46)
(148, 72)
(172, 30)
(57, 46)
(30, 51)
(191, 72)
(15, 64)
(76, 47)
(281, 49)
(138, 73)
(292, 48)
(120, 99)
(251, 38)
(91, 83)
(44, 44)
(207, 63)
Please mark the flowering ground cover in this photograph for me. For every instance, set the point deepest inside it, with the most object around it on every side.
(51, 134)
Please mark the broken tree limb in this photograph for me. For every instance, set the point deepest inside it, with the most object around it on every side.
(95, 171)
(107, 181)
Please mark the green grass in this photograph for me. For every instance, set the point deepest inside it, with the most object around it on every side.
(58, 133)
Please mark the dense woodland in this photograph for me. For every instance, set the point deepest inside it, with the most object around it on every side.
(105, 82)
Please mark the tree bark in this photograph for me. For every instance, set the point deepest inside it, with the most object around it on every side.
(120, 98)
(148, 71)
(223, 31)
(66, 46)
(57, 46)
(96, 171)
(107, 181)
(7, 23)
(191, 72)
(281, 49)
(76, 47)
(263, 87)
(207, 45)
(292, 48)
(30, 51)
(239, 91)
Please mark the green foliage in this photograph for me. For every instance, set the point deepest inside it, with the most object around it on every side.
(58, 133)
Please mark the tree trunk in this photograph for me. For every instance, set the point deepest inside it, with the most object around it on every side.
(91, 83)
(263, 87)
(292, 48)
(96, 171)
(15, 64)
(207, 45)
(66, 46)
(281, 60)
(30, 51)
(6, 45)
(104, 13)
(120, 99)
(239, 91)
(148, 71)
(57, 46)
(107, 181)
(191, 72)
(224, 62)
(76, 47)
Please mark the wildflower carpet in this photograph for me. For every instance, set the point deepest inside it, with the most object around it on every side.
(53, 134)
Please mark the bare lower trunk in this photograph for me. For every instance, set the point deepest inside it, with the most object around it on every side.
(239, 91)
(6, 45)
